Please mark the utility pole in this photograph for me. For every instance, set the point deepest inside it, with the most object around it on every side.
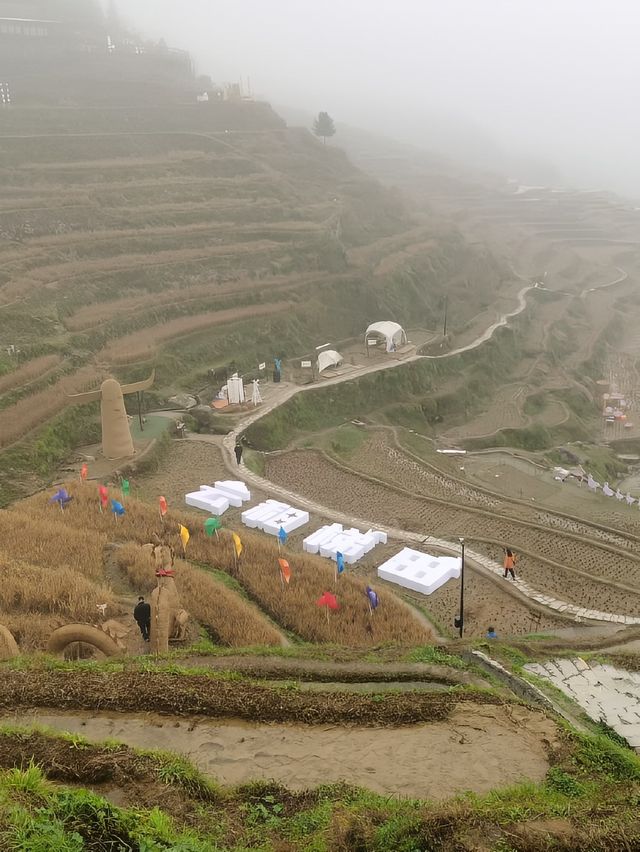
(139, 395)
(459, 620)
(446, 309)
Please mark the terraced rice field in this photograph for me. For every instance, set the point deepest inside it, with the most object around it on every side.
(581, 570)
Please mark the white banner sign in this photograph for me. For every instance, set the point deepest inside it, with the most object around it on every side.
(262, 366)
(305, 363)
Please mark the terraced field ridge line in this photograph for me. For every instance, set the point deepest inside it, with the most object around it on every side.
(476, 561)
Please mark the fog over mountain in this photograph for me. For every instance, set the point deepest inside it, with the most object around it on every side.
(539, 89)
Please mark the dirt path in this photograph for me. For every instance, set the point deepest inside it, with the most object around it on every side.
(479, 748)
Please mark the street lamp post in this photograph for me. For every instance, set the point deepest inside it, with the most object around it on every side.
(459, 621)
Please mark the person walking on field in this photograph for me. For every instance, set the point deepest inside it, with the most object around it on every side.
(509, 563)
(142, 614)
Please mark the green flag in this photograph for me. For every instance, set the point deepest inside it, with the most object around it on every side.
(125, 488)
(212, 525)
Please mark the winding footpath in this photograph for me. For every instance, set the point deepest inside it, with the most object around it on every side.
(519, 588)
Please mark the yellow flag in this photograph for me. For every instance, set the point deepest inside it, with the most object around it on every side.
(185, 535)
(237, 544)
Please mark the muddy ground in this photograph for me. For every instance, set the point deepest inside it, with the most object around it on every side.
(477, 748)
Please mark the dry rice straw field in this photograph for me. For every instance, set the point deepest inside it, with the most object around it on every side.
(292, 607)
(28, 372)
(19, 419)
(225, 614)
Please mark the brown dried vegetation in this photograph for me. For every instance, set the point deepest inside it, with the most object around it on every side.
(143, 344)
(28, 372)
(224, 613)
(19, 419)
(292, 606)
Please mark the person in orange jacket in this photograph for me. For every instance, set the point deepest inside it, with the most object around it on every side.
(509, 563)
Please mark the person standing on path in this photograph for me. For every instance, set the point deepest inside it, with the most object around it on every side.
(142, 614)
(509, 563)
(238, 451)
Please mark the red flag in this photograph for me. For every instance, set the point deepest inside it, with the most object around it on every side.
(285, 568)
(164, 508)
(84, 472)
(328, 600)
(104, 496)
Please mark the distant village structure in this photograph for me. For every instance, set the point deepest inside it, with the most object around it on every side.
(96, 60)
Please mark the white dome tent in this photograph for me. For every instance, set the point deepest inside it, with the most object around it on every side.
(329, 358)
(391, 332)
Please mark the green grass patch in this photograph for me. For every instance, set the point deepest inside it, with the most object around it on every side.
(592, 787)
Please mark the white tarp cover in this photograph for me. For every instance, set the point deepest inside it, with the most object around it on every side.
(328, 359)
(217, 498)
(333, 539)
(419, 571)
(393, 333)
(271, 515)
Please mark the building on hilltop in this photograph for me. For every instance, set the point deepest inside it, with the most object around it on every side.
(67, 53)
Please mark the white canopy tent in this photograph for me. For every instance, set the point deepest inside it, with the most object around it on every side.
(391, 332)
(329, 358)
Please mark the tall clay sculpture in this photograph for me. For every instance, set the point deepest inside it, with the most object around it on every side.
(117, 442)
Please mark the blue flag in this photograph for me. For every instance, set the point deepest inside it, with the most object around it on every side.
(373, 598)
(282, 535)
(117, 508)
(340, 562)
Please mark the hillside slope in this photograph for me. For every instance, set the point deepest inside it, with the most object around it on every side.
(186, 237)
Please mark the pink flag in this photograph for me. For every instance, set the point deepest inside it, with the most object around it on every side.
(104, 496)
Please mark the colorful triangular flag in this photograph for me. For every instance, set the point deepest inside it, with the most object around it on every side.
(285, 570)
(117, 508)
(185, 535)
(212, 525)
(237, 543)
(328, 600)
(103, 492)
(62, 498)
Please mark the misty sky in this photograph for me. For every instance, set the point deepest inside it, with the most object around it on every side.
(552, 80)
